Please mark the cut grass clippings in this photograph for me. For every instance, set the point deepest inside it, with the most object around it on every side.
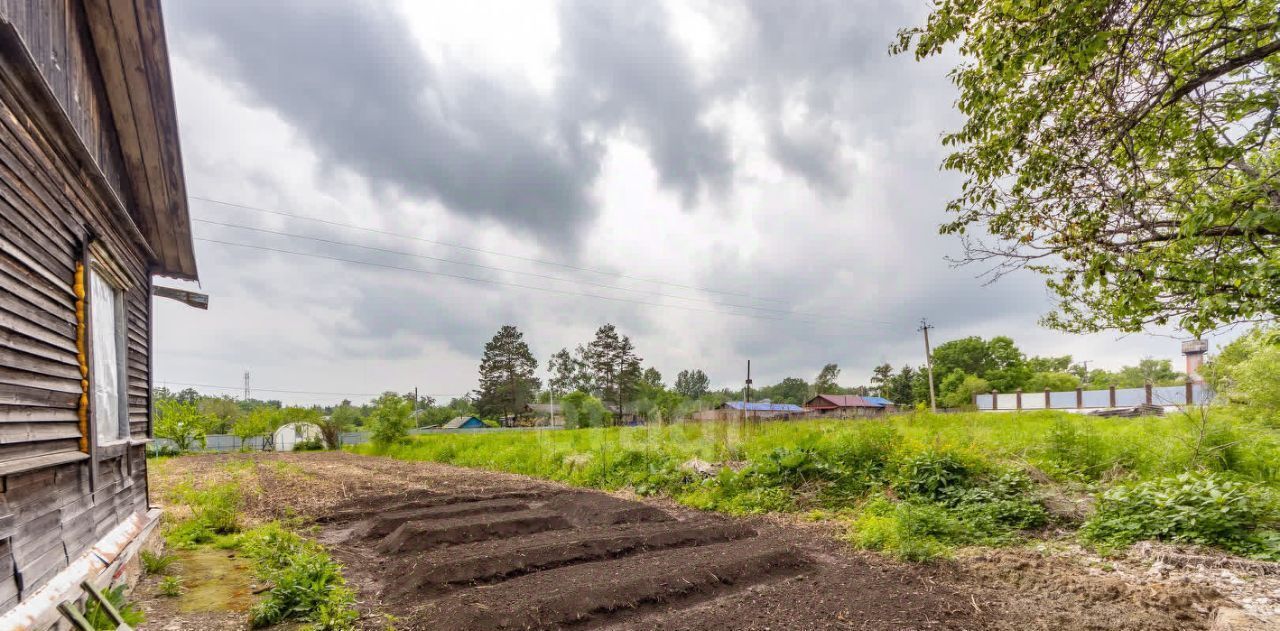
(915, 485)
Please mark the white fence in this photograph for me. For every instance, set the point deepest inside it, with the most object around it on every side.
(1188, 394)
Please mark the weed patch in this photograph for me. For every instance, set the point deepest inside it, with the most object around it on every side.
(306, 584)
(1206, 509)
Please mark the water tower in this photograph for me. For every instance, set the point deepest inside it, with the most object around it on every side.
(1194, 351)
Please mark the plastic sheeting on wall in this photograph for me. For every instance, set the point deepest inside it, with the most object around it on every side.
(105, 376)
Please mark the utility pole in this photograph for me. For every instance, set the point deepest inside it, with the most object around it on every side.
(246, 386)
(746, 401)
(928, 361)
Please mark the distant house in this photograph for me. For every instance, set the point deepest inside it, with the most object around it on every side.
(464, 422)
(846, 405)
(552, 412)
(731, 410)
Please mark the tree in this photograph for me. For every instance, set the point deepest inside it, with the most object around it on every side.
(789, 390)
(1039, 363)
(181, 422)
(564, 371)
(1054, 381)
(584, 410)
(901, 387)
(261, 421)
(613, 363)
(507, 375)
(880, 377)
(1123, 149)
(652, 378)
(692, 384)
(959, 389)
(389, 419)
(222, 412)
(997, 360)
(341, 419)
(825, 383)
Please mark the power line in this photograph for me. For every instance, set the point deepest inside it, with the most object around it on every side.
(484, 280)
(282, 213)
(533, 274)
(279, 391)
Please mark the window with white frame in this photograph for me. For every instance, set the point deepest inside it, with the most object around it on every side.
(107, 375)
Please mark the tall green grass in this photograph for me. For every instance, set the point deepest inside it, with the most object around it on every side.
(914, 484)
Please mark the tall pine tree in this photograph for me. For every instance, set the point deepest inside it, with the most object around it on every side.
(613, 362)
(507, 375)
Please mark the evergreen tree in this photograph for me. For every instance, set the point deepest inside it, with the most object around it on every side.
(507, 375)
(614, 365)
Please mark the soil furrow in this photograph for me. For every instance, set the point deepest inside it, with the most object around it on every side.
(582, 593)
(387, 523)
(429, 535)
(523, 556)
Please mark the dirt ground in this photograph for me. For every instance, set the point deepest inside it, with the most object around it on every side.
(436, 547)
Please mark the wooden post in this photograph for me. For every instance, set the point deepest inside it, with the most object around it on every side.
(1147, 387)
(1190, 392)
(995, 400)
(1112, 402)
(1017, 397)
(1046, 399)
(1079, 397)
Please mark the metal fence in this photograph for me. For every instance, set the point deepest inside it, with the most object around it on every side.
(1187, 394)
(227, 442)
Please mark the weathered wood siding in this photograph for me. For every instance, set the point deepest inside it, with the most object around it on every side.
(56, 35)
(55, 500)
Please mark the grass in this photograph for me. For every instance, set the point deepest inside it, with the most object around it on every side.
(306, 584)
(915, 485)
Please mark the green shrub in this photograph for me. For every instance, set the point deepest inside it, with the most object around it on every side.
(312, 444)
(1075, 451)
(911, 531)
(306, 583)
(214, 511)
(170, 586)
(1206, 509)
(153, 563)
(98, 617)
(932, 474)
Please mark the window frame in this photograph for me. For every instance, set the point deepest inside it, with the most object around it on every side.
(100, 267)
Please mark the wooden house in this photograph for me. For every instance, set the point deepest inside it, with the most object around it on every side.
(92, 207)
(848, 405)
(464, 422)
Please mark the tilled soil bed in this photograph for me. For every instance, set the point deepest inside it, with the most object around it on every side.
(435, 547)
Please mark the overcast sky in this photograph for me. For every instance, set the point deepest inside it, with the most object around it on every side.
(768, 162)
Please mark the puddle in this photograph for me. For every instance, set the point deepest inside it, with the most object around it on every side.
(214, 580)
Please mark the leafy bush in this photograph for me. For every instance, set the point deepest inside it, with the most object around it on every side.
(932, 474)
(390, 420)
(214, 511)
(1073, 450)
(306, 583)
(180, 422)
(911, 531)
(170, 586)
(98, 617)
(153, 563)
(1206, 509)
(311, 444)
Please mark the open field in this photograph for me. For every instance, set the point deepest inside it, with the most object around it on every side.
(432, 546)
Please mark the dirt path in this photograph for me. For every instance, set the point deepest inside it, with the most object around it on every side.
(436, 547)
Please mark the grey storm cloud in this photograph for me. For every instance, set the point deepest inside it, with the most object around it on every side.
(623, 67)
(350, 77)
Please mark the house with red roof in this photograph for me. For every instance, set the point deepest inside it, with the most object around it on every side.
(847, 405)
